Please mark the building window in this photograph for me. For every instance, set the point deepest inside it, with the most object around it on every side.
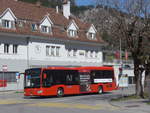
(57, 51)
(47, 50)
(86, 53)
(72, 33)
(81, 53)
(52, 51)
(74, 52)
(69, 52)
(34, 27)
(6, 48)
(96, 54)
(91, 54)
(92, 36)
(8, 24)
(15, 49)
(46, 29)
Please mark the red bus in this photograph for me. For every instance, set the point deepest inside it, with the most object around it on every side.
(59, 81)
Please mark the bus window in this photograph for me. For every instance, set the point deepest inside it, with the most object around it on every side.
(102, 76)
(55, 77)
(58, 76)
(108, 74)
(47, 78)
(71, 77)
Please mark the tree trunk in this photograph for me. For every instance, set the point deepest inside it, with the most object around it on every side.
(147, 79)
(141, 84)
(139, 89)
(137, 83)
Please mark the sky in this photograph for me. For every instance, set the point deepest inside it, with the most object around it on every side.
(84, 2)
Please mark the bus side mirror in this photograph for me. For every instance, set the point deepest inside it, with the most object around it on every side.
(45, 76)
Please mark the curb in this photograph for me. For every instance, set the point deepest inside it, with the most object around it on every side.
(112, 104)
(7, 92)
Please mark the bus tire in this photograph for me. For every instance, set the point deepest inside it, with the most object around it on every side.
(60, 92)
(100, 90)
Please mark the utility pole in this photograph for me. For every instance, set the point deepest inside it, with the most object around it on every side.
(121, 52)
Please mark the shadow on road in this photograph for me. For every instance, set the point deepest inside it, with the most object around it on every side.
(48, 97)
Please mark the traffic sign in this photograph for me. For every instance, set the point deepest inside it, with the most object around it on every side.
(4, 68)
(17, 76)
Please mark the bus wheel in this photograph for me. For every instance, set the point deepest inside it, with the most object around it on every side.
(100, 90)
(60, 92)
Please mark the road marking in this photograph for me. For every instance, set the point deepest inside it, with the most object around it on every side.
(12, 101)
(74, 106)
(64, 105)
(108, 106)
(101, 106)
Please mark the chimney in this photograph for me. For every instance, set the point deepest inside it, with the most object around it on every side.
(57, 9)
(66, 8)
(38, 3)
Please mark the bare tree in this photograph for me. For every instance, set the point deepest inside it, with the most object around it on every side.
(132, 23)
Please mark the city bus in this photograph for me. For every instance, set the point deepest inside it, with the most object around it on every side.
(60, 81)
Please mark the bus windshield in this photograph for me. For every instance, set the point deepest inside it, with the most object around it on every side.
(32, 78)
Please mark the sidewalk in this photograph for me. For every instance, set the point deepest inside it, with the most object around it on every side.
(139, 105)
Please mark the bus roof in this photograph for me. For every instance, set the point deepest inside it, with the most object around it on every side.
(59, 68)
(75, 68)
(95, 68)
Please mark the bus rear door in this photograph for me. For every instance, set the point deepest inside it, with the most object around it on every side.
(85, 82)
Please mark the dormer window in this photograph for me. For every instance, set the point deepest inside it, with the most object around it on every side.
(34, 27)
(92, 36)
(8, 19)
(8, 24)
(46, 25)
(72, 29)
(46, 29)
(72, 33)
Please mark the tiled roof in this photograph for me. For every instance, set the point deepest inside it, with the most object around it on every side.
(33, 13)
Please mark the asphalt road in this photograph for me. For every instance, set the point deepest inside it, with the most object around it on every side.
(95, 103)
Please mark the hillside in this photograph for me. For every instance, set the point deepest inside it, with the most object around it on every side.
(104, 21)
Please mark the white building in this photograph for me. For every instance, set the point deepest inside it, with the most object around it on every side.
(35, 36)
